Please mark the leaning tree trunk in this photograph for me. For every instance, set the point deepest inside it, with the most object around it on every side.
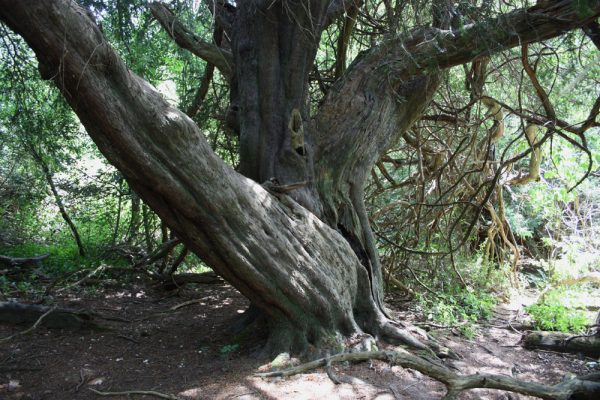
(305, 258)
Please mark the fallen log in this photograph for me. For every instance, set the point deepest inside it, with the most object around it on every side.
(22, 261)
(14, 313)
(563, 342)
(171, 282)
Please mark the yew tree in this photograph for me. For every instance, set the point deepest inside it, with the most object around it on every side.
(288, 227)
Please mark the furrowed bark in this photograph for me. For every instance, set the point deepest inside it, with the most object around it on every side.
(300, 272)
(274, 45)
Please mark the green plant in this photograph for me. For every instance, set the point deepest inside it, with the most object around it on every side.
(461, 308)
(468, 330)
(556, 317)
(229, 348)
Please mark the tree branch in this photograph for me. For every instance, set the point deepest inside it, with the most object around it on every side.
(439, 49)
(541, 93)
(129, 393)
(186, 39)
(30, 329)
(388, 76)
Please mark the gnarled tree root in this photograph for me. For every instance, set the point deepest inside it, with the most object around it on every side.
(583, 387)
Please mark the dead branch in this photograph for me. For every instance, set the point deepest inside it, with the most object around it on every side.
(186, 303)
(588, 385)
(495, 112)
(159, 253)
(542, 95)
(175, 281)
(101, 268)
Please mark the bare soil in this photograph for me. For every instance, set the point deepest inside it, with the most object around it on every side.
(188, 353)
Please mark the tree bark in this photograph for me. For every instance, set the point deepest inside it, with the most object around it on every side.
(135, 220)
(305, 258)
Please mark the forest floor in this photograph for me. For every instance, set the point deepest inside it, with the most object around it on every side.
(187, 353)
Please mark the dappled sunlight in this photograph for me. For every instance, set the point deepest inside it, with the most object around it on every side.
(307, 386)
(259, 193)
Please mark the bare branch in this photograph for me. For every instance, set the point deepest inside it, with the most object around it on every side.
(432, 48)
(542, 95)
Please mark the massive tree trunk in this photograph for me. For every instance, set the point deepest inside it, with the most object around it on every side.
(307, 257)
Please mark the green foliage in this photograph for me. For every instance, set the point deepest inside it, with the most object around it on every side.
(556, 317)
(561, 309)
(64, 256)
(462, 309)
(462, 306)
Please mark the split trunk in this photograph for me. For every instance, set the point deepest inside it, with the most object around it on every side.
(305, 258)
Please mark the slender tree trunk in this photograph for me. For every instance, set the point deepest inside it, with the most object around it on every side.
(134, 217)
(164, 232)
(179, 260)
(118, 220)
(58, 199)
(147, 228)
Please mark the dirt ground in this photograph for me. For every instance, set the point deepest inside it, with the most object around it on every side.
(186, 353)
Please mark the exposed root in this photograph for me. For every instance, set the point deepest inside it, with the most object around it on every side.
(396, 334)
(584, 387)
(137, 392)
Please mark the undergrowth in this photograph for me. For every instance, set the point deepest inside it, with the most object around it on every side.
(556, 317)
(455, 305)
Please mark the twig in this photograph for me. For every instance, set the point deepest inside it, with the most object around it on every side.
(137, 392)
(33, 327)
(81, 381)
(185, 303)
